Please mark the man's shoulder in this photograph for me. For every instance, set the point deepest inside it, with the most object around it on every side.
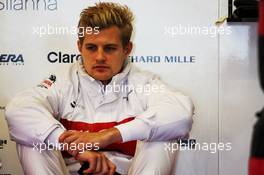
(137, 75)
(64, 76)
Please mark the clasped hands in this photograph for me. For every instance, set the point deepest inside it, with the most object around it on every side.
(99, 163)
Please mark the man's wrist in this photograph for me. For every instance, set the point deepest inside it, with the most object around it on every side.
(113, 136)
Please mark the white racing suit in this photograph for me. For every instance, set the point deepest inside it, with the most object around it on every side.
(145, 110)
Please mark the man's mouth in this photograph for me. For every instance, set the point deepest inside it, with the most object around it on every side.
(100, 67)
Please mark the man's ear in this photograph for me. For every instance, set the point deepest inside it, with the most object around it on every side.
(79, 46)
(128, 48)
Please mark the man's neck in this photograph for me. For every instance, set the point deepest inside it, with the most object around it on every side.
(106, 82)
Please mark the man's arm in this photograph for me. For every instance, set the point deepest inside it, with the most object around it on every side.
(30, 115)
(168, 115)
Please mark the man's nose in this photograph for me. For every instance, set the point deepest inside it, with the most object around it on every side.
(100, 57)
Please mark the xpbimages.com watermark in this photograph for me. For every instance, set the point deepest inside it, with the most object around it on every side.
(211, 31)
(63, 30)
(190, 144)
(81, 147)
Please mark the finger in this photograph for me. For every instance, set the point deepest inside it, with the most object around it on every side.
(74, 153)
(105, 167)
(111, 166)
(86, 156)
(74, 149)
(71, 138)
(77, 147)
(93, 165)
(65, 134)
(99, 164)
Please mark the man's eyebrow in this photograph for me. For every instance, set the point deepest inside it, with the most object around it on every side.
(105, 45)
(89, 44)
(111, 44)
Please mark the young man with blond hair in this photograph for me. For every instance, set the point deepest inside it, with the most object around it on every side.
(123, 114)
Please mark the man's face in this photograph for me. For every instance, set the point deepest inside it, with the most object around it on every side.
(103, 54)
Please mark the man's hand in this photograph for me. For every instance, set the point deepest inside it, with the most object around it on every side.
(98, 163)
(98, 139)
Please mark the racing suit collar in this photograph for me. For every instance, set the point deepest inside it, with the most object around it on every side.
(116, 79)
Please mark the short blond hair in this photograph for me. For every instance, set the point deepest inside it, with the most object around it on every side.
(105, 15)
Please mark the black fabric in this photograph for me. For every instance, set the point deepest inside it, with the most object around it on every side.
(261, 44)
(261, 61)
(256, 161)
(257, 144)
(246, 12)
(242, 3)
(245, 9)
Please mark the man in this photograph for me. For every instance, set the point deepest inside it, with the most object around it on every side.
(122, 108)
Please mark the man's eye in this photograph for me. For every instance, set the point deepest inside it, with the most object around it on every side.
(91, 48)
(109, 49)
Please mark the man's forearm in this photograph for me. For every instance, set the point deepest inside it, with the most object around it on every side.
(113, 135)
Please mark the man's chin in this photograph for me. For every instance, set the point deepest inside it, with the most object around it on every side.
(103, 78)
